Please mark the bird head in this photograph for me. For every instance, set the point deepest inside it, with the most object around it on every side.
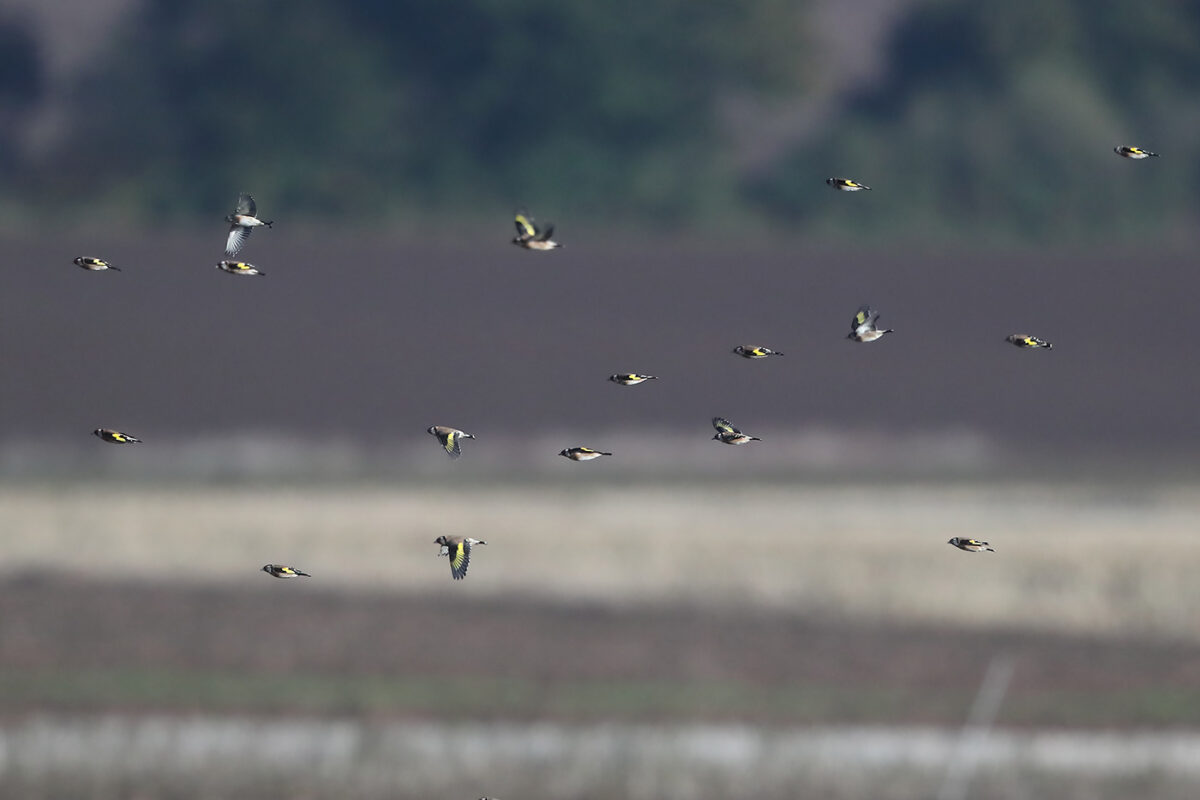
(564, 452)
(267, 567)
(953, 541)
(441, 540)
(98, 432)
(432, 429)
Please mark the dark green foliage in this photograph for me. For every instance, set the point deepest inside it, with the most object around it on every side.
(1000, 118)
(374, 106)
(22, 84)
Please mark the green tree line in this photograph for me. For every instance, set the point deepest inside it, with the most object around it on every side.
(991, 117)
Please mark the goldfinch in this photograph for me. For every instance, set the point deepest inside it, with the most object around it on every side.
(753, 351)
(239, 268)
(115, 437)
(450, 438)
(280, 571)
(1136, 153)
(730, 435)
(1024, 340)
(865, 326)
(971, 545)
(94, 264)
(530, 236)
(243, 220)
(458, 548)
(631, 378)
(847, 185)
(581, 453)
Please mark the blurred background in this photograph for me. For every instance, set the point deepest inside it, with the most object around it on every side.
(681, 620)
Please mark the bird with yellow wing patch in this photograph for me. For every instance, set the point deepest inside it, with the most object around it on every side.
(451, 438)
(458, 548)
(532, 237)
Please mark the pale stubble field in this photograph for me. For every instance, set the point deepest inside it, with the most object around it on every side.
(1096, 559)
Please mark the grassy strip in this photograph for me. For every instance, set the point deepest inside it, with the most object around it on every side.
(487, 698)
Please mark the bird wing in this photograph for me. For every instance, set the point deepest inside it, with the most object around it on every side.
(525, 227)
(545, 235)
(246, 205)
(861, 317)
(723, 425)
(237, 239)
(460, 559)
(452, 443)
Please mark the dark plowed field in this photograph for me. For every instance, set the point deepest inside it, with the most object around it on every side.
(73, 644)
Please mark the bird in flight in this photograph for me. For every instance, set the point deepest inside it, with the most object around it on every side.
(115, 437)
(730, 435)
(280, 571)
(532, 237)
(94, 264)
(1026, 341)
(242, 221)
(631, 378)
(581, 453)
(865, 326)
(458, 548)
(847, 185)
(971, 545)
(451, 438)
(1136, 153)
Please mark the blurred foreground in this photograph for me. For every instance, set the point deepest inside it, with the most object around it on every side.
(196, 757)
(615, 638)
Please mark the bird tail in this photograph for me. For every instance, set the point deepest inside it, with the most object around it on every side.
(468, 436)
(110, 266)
(755, 439)
(269, 223)
(606, 454)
